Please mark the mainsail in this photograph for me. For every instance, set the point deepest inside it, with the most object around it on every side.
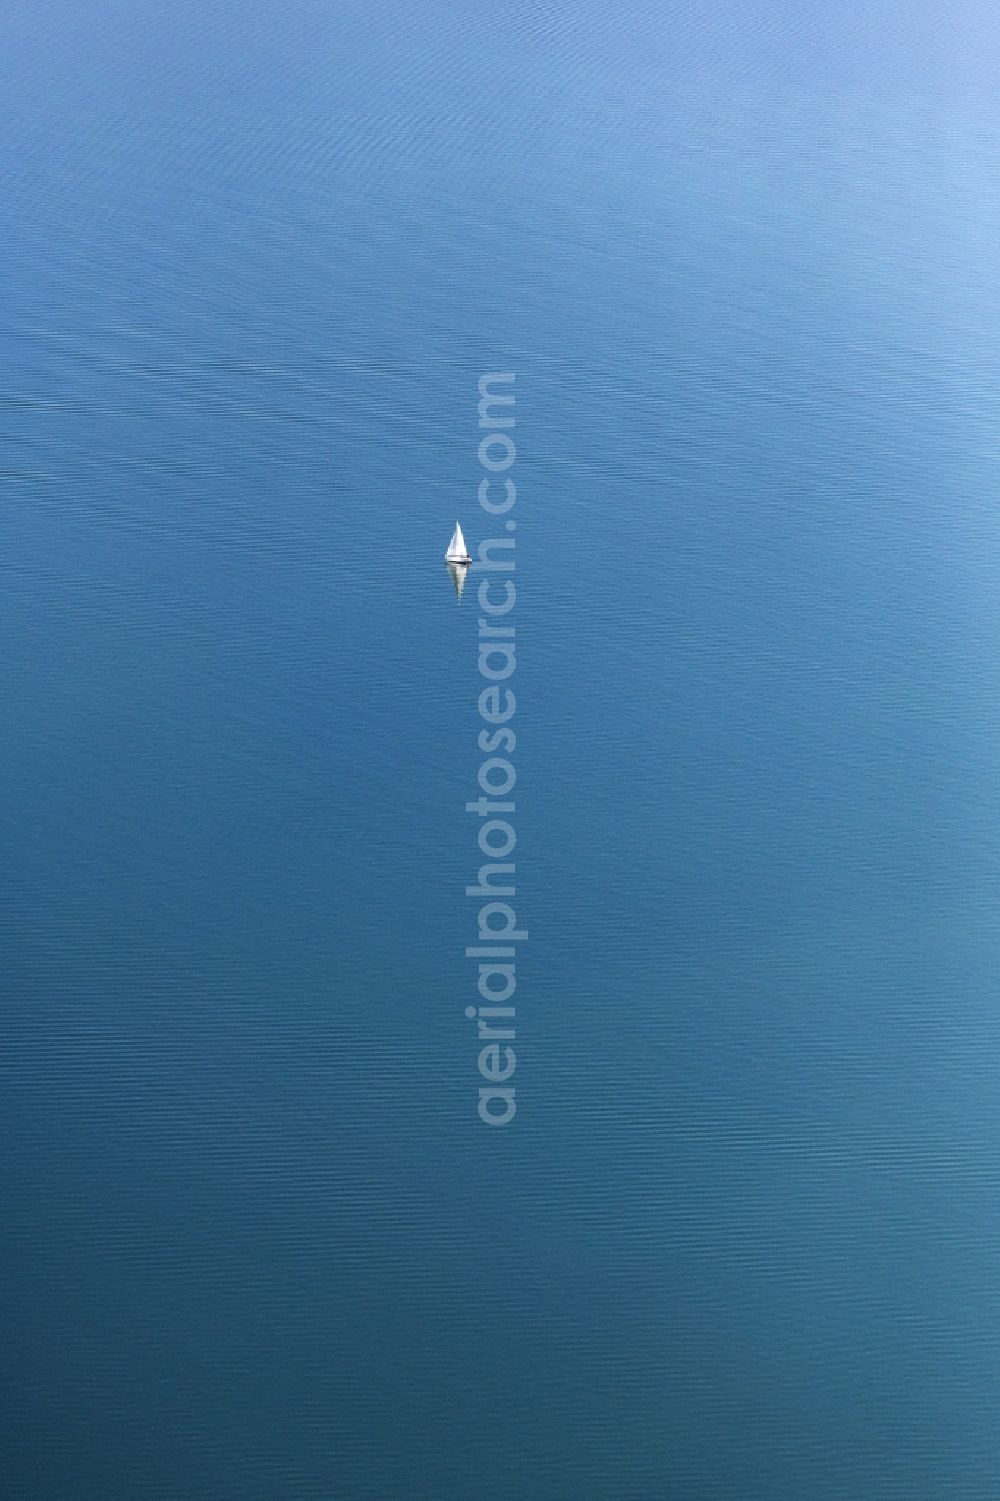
(457, 549)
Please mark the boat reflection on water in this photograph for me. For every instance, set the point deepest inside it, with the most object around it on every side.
(458, 572)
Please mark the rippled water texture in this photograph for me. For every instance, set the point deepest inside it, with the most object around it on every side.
(739, 1243)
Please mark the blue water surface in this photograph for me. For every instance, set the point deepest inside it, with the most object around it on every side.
(739, 1243)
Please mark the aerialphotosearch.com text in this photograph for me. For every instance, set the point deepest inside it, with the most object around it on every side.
(498, 934)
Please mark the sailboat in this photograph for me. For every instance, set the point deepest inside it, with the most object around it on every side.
(457, 550)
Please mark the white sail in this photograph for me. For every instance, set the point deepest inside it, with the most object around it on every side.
(457, 549)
